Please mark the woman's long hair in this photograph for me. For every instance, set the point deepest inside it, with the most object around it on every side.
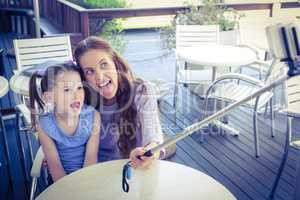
(36, 90)
(127, 86)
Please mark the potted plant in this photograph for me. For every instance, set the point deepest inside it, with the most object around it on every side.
(210, 12)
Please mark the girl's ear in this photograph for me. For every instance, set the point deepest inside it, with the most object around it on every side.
(48, 97)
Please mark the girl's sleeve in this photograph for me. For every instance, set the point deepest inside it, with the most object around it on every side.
(148, 114)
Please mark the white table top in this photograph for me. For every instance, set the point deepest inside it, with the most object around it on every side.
(19, 84)
(217, 55)
(3, 86)
(164, 180)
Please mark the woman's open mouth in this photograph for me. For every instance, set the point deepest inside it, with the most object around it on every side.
(104, 84)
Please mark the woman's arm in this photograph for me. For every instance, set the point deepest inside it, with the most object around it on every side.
(53, 162)
(92, 146)
(148, 115)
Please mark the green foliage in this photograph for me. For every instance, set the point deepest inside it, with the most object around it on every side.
(106, 3)
(209, 13)
(109, 29)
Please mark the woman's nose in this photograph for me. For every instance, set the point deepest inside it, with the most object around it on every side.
(99, 75)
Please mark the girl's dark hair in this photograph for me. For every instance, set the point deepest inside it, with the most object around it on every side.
(127, 86)
(47, 81)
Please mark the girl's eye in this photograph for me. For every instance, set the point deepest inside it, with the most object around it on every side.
(80, 87)
(89, 72)
(66, 89)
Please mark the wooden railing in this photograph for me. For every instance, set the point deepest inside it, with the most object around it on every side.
(16, 4)
(73, 18)
(17, 17)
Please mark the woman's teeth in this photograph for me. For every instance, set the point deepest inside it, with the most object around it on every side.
(104, 84)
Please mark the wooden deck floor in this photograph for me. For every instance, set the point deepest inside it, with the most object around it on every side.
(228, 159)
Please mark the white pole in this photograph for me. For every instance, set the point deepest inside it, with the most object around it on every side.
(37, 18)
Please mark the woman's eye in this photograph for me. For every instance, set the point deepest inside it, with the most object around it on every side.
(80, 87)
(66, 89)
(89, 71)
(103, 65)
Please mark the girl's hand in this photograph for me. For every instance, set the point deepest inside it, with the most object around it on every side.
(145, 161)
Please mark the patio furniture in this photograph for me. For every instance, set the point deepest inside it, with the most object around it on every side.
(3, 91)
(36, 171)
(31, 52)
(188, 36)
(163, 180)
(232, 91)
(292, 111)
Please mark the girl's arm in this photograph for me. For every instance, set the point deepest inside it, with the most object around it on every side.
(92, 146)
(53, 162)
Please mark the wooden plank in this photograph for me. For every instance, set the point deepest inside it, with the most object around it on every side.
(235, 159)
(247, 141)
(214, 146)
(18, 179)
(207, 166)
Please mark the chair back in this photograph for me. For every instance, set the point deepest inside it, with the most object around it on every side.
(293, 96)
(195, 35)
(30, 52)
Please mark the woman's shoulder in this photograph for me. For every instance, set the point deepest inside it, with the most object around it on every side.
(145, 93)
(145, 88)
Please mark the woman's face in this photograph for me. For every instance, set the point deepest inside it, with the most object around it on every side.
(100, 72)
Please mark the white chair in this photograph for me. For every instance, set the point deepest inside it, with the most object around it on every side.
(31, 52)
(232, 91)
(192, 36)
(36, 171)
(292, 111)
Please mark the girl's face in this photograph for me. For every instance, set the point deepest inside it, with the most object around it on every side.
(100, 71)
(68, 93)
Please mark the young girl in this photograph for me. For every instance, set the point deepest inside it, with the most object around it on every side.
(128, 106)
(69, 133)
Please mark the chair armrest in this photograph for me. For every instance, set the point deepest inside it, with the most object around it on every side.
(232, 76)
(237, 76)
(37, 163)
(259, 65)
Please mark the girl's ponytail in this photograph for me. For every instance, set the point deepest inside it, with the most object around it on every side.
(33, 98)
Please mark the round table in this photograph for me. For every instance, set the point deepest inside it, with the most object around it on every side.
(3, 86)
(163, 180)
(217, 56)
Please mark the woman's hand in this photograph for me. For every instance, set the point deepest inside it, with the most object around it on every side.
(145, 161)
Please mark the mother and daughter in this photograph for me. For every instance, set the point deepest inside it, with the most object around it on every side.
(113, 116)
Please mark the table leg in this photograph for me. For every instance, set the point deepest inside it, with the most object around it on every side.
(214, 73)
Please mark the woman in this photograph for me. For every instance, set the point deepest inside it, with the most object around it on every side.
(128, 106)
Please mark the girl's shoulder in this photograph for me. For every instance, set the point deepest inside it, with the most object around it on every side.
(87, 117)
(48, 124)
(87, 110)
